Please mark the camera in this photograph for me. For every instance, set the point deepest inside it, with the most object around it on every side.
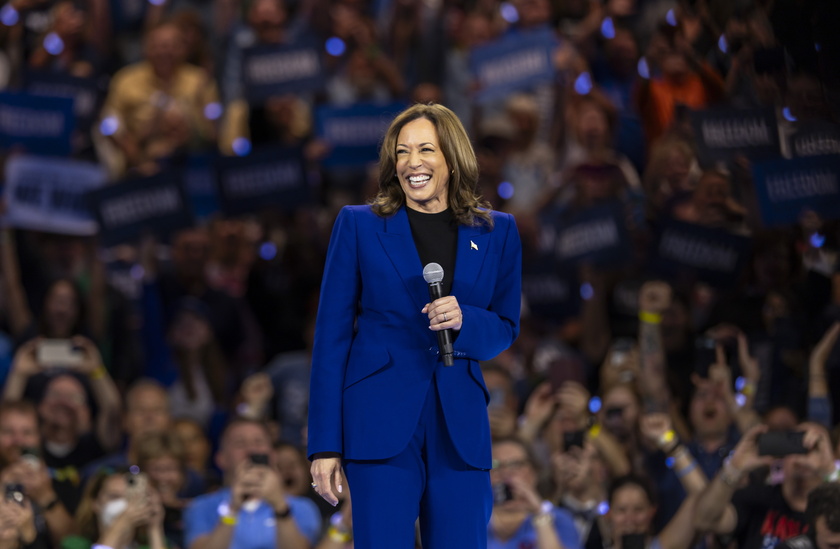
(14, 492)
(781, 443)
(258, 459)
(501, 493)
(572, 439)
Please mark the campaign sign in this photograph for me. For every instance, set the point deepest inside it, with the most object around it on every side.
(355, 133)
(598, 235)
(695, 252)
(513, 63)
(134, 207)
(280, 69)
(721, 134)
(40, 125)
(787, 188)
(49, 194)
(551, 291)
(85, 92)
(815, 139)
(272, 176)
(198, 176)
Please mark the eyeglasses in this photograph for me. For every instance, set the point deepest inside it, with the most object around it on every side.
(513, 465)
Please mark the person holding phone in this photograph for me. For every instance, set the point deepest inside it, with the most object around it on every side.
(254, 509)
(521, 516)
(762, 515)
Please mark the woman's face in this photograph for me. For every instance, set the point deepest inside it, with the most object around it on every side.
(190, 332)
(421, 167)
(592, 127)
(114, 488)
(630, 511)
(166, 474)
(61, 309)
(196, 446)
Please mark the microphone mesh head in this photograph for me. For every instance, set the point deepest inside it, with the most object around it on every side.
(432, 273)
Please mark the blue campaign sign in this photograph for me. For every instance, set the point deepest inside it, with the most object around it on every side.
(685, 251)
(86, 93)
(273, 176)
(787, 188)
(274, 70)
(723, 133)
(40, 125)
(513, 63)
(815, 139)
(134, 207)
(354, 133)
(597, 235)
(49, 194)
(198, 176)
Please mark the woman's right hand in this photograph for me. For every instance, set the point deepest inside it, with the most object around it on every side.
(326, 477)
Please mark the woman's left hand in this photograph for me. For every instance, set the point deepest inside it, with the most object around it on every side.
(444, 313)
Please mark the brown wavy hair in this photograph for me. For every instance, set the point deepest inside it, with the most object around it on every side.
(468, 207)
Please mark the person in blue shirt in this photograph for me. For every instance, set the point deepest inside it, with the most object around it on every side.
(521, 518)
(253, 510)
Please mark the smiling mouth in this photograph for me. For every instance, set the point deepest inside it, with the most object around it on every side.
(417, 181)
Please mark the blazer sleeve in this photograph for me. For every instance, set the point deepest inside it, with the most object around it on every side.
(334, 330)
(487, 332)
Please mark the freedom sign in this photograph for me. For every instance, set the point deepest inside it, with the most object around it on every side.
(354, 133)
(275, 70)
(598, 235)
(134, 207)
(786, 188)
(274, 176)
(513, 63)
(724, 133)
(38, 125)
(49, 194)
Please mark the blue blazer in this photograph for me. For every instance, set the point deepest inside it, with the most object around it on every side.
(374, 355)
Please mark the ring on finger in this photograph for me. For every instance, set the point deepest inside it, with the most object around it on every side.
(444, 317)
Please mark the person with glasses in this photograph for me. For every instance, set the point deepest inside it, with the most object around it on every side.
(521, 517)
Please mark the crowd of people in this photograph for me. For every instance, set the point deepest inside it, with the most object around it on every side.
(155, 393)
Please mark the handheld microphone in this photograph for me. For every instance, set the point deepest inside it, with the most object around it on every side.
(433, 275)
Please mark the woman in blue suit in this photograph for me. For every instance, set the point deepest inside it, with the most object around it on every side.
(411, 433)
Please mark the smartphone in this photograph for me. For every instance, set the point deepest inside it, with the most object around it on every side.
(705, 355)
(58, 353)
(572, 439)
(138, 485)
(781, 443)
(31, 456)
(501, 493)
(14, 492)
(258, 459)
(633, 541)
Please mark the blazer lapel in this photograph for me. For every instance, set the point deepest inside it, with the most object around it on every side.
(469, 256)
(399, 246)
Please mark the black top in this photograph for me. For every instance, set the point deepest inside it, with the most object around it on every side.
(436, 237)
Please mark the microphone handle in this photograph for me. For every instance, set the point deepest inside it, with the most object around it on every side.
(444, 337)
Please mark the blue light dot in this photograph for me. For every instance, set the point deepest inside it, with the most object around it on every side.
(109, 125)
(137, 272)
(9, 15)
(788, 115)
(268, 251)
(157, 2)
(336, 46)
(505, 190)
(212, 111)
(817, 240)
(586, 291)
(509, 12)
(53, 43)
(723, 45)
(594, 405)
(671, 17)
(817, 47)
(583, 83)
(740, 383)
(603, 508)
(608, 28)
(241, 146)
(643, 68)
(134, 469)
(669, 461)
(740, 400)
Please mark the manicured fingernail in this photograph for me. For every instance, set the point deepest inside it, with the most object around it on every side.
(340, 488)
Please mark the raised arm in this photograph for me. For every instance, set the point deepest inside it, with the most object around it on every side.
(819, 401)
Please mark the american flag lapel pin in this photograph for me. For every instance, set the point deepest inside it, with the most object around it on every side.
(473, 245)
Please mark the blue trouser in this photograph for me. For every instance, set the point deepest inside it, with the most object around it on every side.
(427, 479)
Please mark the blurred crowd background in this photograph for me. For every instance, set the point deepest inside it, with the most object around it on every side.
(147, 382)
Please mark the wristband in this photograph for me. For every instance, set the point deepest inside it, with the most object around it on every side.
(687, 469)
(98, 373)
(100, 546)
(230, 520)
(650, 318)
(748, 389)
(666, 440)
(283, 514)
(48, 507)
(337, 535)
